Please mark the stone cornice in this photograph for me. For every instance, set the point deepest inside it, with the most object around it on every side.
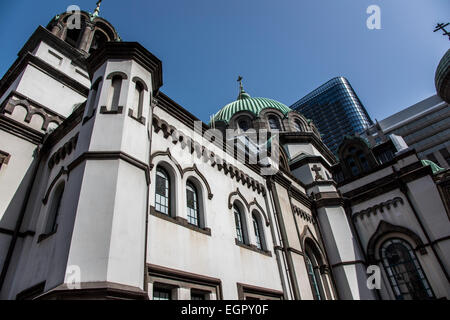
(127, 50)
(388, 183)
(379, 207)
(29, 59)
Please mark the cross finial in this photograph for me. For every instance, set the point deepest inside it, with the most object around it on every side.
(97, 9)
(441, 26)
(317, 169)
(239, 79)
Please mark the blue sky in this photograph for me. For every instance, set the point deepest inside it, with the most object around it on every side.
(282, 48)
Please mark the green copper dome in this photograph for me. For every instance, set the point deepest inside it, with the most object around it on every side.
(245, 102)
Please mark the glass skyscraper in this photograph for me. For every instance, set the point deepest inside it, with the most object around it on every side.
(336, 110)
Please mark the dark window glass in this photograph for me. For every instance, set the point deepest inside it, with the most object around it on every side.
(404, 271)
(243, 125)
(162, 194)
(352, 166)
(257, 232)
(73, 36)
(162, 294)
(363, 161)
(197, 296)
(274, 123)
(192, 204)
(238, 223)
(98, 40)
(313, 279)
(54, 210)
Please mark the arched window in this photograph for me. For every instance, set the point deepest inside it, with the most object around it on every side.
(73, 36)
(239, 221)
(298, 126)
(243, 124)
(258, 231)
(93, 97)
(53, 213)
(313, 280)
(114, 92)
(274, 123)
(98, 40)
(363, 161)
(404, 271)
(192, 204)
(352, 166)
(138, 100)
(162, 191)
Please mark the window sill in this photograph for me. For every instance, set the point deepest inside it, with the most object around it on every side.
(103, 110)
(141, 119)
(252, 247)
(179, 221)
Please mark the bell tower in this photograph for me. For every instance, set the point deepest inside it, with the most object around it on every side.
(109, 235)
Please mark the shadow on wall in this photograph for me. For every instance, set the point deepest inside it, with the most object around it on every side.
(8, 223)
(342, 281)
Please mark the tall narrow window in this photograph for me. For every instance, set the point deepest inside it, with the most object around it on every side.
(244, 123)
(257, 232)
(312, 278)
(138, 100)
(55, 206)
(114, 93)
(363, 161)
(93, 97)
(192, 204)
(162, 194)
(352, 166)
(404, 271)
(274, 123)
(238, 223)
(98, 40)
(73, 36)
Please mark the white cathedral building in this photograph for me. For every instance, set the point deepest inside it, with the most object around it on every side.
(107, 191)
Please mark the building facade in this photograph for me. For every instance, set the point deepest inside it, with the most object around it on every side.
(111, 190)
(425, 126)
(336, 110)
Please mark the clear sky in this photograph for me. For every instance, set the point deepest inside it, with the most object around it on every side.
(282, 48)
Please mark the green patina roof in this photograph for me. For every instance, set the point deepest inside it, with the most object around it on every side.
(434, 167)
(245, 102)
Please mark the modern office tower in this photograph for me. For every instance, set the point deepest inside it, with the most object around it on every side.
(336, 110)
(425, 126)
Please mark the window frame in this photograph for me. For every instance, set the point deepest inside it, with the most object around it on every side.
(256, 219)
(418, 270)
(238, 211)
(168, 189)
(276, 119)
(190, 184)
